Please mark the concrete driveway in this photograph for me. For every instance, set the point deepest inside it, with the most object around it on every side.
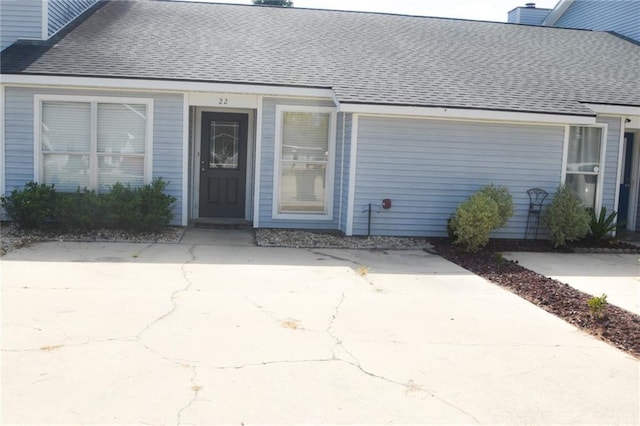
(217, 331)
(616, 275)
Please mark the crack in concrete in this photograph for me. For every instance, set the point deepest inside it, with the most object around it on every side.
(329, 331)
(174, 294)
(410, 386)
(283, 361)
(196, 390)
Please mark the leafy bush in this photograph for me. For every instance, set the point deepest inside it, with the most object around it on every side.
(601, 226)
(488, 209)
(80, 210)
(141, 209)
(134, 209)
(503, 199)
(474, 220)
(565, 218)
(32, 206)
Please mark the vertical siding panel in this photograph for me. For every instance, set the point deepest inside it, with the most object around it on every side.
(621, 16)
(428, 167)
(61, 12)
(610, 161)
(267, 168)
(20, 19)
(167, 136)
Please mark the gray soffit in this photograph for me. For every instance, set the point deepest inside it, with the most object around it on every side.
(366, 58)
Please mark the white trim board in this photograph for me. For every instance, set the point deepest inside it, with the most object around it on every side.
(602, 109)
(185, 159)
(258, 165)
(164, 85)
(467, 114)
(351, 200)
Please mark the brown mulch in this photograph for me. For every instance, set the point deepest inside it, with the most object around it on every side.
(619, 327)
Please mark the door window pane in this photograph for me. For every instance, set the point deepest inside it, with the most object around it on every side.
(304, 158)
(223, 144)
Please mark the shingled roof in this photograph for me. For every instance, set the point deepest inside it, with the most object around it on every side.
(365, 58)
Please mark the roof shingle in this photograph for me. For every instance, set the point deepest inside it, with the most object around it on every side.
(364, 57)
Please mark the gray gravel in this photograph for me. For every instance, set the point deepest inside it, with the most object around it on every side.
(306, 239)
(13, 238)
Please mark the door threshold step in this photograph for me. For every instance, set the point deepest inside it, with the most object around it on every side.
(216, 223)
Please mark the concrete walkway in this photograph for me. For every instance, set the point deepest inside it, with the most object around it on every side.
(616, 275)
(217, 331)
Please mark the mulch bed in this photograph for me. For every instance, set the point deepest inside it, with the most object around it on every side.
(619, 327)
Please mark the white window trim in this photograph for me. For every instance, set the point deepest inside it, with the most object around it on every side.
(38, 99)
(329, 192)
(603, 151)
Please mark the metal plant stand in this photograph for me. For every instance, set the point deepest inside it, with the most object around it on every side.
(536, 198)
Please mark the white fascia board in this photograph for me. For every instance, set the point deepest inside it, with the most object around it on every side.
(467, 114)
(603, 109)
(557, 13)
(164, 85)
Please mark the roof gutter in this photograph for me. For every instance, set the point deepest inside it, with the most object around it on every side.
(467, 114)
(163, 85)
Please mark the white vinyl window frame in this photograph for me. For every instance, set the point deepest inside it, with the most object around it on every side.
(330, 172)
(93, 101)
(601, 169)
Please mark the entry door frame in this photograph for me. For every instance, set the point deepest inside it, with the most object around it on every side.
(634, 191)
(195, 143)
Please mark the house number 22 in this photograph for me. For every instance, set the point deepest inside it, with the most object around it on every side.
(223, 101)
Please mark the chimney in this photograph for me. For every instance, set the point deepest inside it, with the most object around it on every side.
(531, 5)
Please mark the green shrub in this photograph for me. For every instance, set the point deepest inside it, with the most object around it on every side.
(474, 220)
(597, 305)
(565, 218)
(501, 196)
(32, 206)
(601, 226)
(156, 208)
(138, 209)
(80, 210)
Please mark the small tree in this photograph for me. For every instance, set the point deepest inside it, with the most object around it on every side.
(565, 218)
(279, 3)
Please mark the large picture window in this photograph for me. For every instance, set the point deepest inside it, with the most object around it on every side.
(584, 167)
(304, 162)
(93, 144)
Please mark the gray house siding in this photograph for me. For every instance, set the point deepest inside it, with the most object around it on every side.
(610, 177)
(267, 169)
(527, 15)
(428, 167)
(621, 16)
(61, 12)
(167, 136)
(20, 19)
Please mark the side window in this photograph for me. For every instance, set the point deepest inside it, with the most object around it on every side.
(583, 172)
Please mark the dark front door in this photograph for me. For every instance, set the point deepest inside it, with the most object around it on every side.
(625, 185)
(223, 165)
